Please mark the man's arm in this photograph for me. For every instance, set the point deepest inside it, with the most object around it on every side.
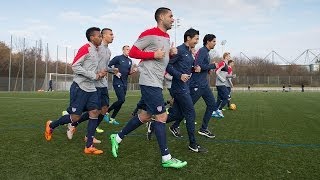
(171, 70)
(78, 62)
(201, 60)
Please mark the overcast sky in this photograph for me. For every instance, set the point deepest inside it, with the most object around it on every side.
(254, 27)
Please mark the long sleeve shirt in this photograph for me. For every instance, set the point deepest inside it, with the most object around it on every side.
(105, 55)
(203, 60)
(151, 70)
(221, 72)
(181, 63)
(123, 63)
(85, 66)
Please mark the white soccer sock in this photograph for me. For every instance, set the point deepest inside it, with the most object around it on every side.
(118, 139)
(166, 157)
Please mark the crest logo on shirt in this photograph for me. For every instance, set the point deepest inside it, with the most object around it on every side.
(73, 109)
(195, 89)
(159, 108)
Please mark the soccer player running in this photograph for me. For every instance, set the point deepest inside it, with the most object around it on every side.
(199, 86)
(120, 80)
(153, 47)
(181, 67)
(83, 93)
(221, 78)
(229, 83)
(100, 84)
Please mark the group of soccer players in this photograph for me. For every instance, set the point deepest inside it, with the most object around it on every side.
(89, 98)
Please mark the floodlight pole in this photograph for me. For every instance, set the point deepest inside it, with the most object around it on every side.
(176, 24)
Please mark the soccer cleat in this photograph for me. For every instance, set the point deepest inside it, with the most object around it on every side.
(106, 117)
(174, 163)
(99, 130)
(113, 121)
(92, 150)
(197, 148)
(206, 133)
(95, 141)
(215, 114)
(175, 131)
(220, 113)
(150, 130)
(70, 131)
(167, 110)
(114, 145)
(48, 131)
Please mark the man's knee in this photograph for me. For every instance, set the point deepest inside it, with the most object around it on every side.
(75, 117)
(94, 113)
(104, 110)
(162, 117)
(144, 117)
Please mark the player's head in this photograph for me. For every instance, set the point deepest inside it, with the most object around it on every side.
(126, 50)
(209, 41)
(191, 37)
(230, 62)
(226, 55)
(107, 35)
(164, 17)
(94, 36)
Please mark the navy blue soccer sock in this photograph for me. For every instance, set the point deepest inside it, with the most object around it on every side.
(91, 129)
(133, 124)
(61, 121)
(160, 131)
(100, 118)
(84, 117)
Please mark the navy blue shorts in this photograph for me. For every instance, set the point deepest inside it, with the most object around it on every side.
(223, 92)
(152, 100)
(81, 101)
(103, 97)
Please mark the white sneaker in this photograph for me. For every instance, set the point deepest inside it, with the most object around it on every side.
(95, 141)
(220, 113)
(70, 131)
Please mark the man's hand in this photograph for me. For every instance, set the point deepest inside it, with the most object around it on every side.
(115, 70)
(197, 68)
(185, 77)
(173, 50)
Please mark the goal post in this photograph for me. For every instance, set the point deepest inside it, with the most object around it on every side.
(60, 82)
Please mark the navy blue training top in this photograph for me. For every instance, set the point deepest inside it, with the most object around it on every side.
(181, 63)
(203, 60)
(123, 63)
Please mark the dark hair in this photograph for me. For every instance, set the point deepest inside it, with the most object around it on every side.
(230, 61)
(125, 46)
(90, 32)
(105, 29)
(191, 33)
(159, 11)
(208, 37)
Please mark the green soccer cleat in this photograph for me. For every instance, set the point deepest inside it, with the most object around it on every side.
(114, 145)
(174, 163)
(99, 130)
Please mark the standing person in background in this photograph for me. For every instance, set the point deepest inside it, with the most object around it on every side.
(50, 85)
(120, 80)
(153, 47)
(302, 87)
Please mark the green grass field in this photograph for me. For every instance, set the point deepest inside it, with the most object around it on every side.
(271, 135)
